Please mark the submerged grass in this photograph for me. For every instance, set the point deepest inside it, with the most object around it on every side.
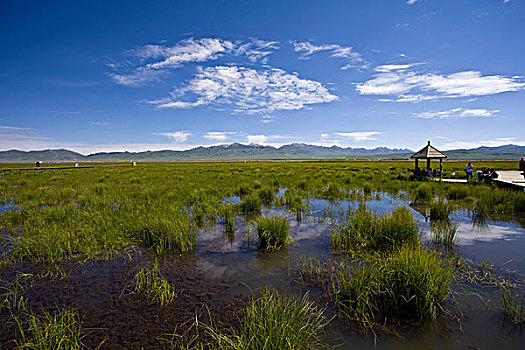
(443, 233)
(151, 283)
(513, 307)
(273, 232)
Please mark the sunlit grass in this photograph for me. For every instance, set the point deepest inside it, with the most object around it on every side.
(366, 231)
(151, 283)
(273, 231)
(274, 322)
(409, 284)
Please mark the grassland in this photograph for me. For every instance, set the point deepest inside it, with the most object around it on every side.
(94, 214)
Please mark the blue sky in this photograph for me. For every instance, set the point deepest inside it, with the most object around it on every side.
(127, 75)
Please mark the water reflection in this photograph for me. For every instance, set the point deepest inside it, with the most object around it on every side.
(9, 206)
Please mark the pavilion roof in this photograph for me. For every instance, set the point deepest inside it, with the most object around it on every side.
(428, 152)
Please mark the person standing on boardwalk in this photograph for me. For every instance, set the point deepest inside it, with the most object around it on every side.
(468, 170)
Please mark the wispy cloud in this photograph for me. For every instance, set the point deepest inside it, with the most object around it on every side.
(176, 136)
(411, 2)
(256, 49)
(65, 112)
(246, 90)
(496, 142)
(272, 140)
(102, 124)
(457, 113)
(218, 135)
(354, 59)
(359, 136)
(6, 128)
(410, 86)
(154, 61)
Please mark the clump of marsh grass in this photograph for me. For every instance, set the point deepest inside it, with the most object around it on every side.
(423, 193)
(513, 308)
(408, 284)
(273, 231)
(228, 212)
(151, 283)
(365, 231)
(275, 322)
(62, 330)
(165, 233)
(251, 204)
(440, 210)
(443, 233)
(266, 195)
(295, 203)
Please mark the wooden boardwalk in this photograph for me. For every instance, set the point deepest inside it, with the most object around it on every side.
(510, 178)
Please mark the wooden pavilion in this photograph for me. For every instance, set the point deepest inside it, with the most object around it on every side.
(429, 153)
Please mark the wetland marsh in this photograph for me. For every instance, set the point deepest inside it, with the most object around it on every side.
(199, 255)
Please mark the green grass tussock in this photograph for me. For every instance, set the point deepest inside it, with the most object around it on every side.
(273, 232)
(513, 308)
(62, 330)
(440, 210)
(366, 231)
(408, 284)
(274, 322)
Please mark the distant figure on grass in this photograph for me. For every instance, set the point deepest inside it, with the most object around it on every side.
(468, 170)
(522, 164)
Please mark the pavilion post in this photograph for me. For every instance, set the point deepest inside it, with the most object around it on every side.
(428, 165)
(416, 163)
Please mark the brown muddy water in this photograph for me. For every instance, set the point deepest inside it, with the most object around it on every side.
(227, 269)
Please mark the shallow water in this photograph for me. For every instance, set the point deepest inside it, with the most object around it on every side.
(8, 205)
(501, 244)
(227, 269)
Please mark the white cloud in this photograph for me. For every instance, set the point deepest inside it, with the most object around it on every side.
(257, 138)
(496, 142)
(411, 2)
(359, 136)
(394, 67)
(176, 136)
(102, 123)
(257, 49)
(6, 128)
(346, 52)
(247, 90)
(478, 112)
(267, 140)
(138, 77)
(218, 135)
(409, 86)
(188, 50)
(457, 113)
(156, 60)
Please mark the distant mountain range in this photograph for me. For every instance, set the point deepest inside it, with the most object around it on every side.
(237, 151)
